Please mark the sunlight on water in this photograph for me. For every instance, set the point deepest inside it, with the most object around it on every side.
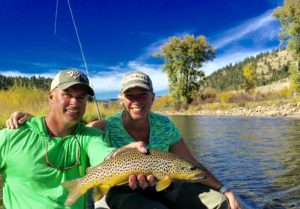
(258, 157)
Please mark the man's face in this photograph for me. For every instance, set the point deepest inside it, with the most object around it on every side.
(137, 102)
(69, 104)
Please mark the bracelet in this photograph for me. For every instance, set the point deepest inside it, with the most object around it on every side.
(224, 188)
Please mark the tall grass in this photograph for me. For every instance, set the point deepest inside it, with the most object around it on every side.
(35, 102)
(105, 109)
(25, 99)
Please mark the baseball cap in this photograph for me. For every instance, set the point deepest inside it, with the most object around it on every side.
(136, 79)
(67, 78)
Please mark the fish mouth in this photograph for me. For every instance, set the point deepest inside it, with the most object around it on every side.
(198, 177)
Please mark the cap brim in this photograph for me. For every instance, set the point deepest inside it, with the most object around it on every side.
(144, 86)
(64, 86)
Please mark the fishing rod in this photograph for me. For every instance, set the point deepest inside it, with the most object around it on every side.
(100, 116)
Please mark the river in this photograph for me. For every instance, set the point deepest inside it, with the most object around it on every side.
(258, 157)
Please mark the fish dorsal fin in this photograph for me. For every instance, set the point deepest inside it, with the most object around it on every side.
(163, 183)
(100, 191)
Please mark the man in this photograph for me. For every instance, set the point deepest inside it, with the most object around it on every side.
(46, 151)
(136, 123)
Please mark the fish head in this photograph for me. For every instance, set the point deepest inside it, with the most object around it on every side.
(186, 171)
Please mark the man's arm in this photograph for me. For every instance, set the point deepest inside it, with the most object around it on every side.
(18, 118)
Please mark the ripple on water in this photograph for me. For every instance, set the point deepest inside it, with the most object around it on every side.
(258, 157)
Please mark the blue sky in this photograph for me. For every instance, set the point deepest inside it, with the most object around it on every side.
(38, 37)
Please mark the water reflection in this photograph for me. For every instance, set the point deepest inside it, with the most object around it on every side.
(259, 157)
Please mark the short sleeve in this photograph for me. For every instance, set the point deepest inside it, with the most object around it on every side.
(98, 149)
(3, 147)
(175, 134)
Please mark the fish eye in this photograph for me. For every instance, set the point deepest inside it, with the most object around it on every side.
(193, 168)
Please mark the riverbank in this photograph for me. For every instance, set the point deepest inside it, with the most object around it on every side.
(291, 110)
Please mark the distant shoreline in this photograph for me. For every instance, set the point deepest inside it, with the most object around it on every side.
(285, 110)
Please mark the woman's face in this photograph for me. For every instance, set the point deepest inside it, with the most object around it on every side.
(137, 102)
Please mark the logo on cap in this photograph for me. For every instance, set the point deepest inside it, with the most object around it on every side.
(77, 75)
(136, 79)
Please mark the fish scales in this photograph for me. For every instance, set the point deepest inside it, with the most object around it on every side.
(157, 163)
(115, 171)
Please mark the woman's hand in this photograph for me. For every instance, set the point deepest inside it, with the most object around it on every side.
(234, 204)
(142, 180)
(16, 119)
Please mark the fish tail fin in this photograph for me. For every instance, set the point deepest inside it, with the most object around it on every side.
(100, 191)
(74, 191)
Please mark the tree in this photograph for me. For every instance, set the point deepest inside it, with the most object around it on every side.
(249, 73)
(295, 79)
(183, 59)
(289, 17)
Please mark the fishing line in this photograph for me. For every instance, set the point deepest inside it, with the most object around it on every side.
(82, 54)
(55, 18)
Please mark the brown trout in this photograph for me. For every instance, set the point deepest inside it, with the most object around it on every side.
(164, 166)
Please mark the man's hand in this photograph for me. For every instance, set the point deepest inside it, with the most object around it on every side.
(16, 119)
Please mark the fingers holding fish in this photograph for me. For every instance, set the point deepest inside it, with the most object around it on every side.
(152, 180)
(140, 146)
(141, 180)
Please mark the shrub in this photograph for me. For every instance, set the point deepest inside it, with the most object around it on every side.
(208, 94)
(185, 107)
(225, 96)
(285, 92)
(177, 107)
(240, 98)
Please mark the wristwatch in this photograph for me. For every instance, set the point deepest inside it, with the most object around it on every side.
(224, 188)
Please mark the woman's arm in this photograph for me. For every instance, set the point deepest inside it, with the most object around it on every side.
(181, 150)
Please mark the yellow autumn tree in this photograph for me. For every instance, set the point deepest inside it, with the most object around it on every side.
(249, 73)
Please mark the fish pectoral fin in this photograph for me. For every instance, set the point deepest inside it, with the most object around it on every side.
(100, 191)
(122, 183)
(163, 183)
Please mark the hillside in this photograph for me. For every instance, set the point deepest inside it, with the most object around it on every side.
(270, 67)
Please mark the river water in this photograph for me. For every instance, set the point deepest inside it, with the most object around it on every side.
(258, 157)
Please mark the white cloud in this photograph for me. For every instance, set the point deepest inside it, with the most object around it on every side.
(106, 82)
(257, 32)
(158, 77)
(262, 22)
(155, 47)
